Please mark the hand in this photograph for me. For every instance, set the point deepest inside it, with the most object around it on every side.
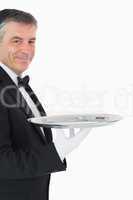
(66, 145)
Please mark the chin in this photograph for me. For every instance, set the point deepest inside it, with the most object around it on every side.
(23, 66)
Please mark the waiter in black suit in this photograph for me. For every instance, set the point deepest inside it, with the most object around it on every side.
(28, 154)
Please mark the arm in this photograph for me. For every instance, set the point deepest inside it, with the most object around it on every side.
(27, 162)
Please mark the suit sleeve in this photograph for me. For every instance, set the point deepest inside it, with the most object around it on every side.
(28, 162)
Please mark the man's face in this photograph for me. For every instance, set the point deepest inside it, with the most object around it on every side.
(17, 46)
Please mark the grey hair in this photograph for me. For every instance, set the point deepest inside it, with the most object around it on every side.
(8, 15)
(2, 31)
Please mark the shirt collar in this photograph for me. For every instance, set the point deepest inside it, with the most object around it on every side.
(11, 73)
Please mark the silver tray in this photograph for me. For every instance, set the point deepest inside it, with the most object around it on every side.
(75, 120)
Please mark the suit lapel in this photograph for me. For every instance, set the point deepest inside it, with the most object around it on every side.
(17, 99)
(47, 131)
(35, 100)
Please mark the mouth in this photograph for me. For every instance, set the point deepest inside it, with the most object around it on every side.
(23, 59)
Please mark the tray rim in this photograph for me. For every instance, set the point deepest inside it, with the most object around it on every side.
(74, 124)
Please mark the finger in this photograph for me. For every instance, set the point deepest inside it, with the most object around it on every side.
(60, 133)
(59, 130)
(85, 129)
(81, 135)
(71, 132)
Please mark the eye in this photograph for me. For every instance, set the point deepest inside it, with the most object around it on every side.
(32, 42)
(17, 41)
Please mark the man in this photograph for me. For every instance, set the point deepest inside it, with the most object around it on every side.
(28, 154)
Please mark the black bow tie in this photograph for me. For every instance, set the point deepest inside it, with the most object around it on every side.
(23, 81)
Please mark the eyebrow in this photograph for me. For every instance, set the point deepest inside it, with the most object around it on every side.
(19, 38)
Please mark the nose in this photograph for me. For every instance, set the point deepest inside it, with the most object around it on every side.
(26, 47)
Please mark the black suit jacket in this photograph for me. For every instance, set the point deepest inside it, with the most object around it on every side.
(27, 157)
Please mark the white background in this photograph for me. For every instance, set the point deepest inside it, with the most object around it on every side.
(83, 63)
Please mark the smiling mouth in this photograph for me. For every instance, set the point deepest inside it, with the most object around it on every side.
(23, 59)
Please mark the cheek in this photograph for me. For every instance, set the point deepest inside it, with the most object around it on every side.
(10, 54)
(4, 53)
(33, 51)
(9, 50)
(32, 54)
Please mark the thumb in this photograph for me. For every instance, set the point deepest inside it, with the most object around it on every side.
(81, 135)
(59, 134)
(85, 129)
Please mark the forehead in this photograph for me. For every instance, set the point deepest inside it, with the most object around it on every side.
(13, 29)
